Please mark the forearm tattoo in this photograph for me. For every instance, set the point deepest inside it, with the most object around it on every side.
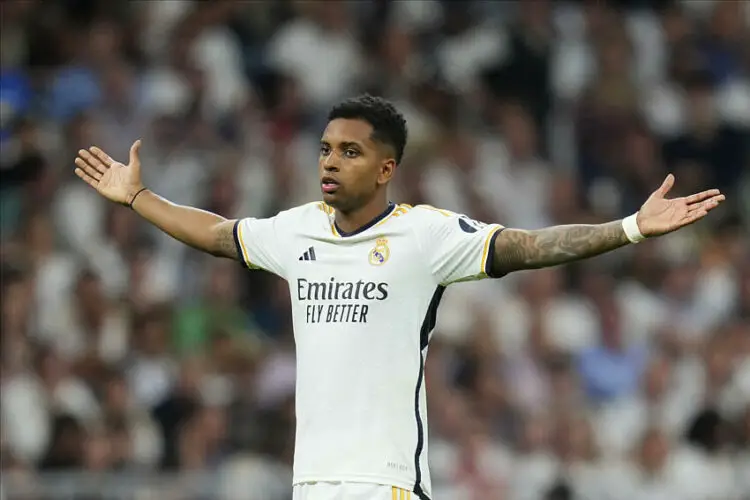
(517, 249)
(224, 242)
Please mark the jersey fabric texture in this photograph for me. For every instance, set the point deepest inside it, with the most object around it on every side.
(364, 305)
(349, 491)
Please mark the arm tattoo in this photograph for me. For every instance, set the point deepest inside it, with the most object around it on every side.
(517, 249)
(224, 242)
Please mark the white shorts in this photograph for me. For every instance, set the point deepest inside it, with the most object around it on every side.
(350, 491)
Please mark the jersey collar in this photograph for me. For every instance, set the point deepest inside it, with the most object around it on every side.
(388, 211)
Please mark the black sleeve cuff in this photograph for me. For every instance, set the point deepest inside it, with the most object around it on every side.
(240, 253)
(491, 255)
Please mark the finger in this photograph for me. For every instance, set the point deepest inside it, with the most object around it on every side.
(695, 216)
(134, 150)
(92, 161)
(696, 198)
(88, 169)
(708, 204)
(714, 202)
(666, 185)
(102, 156)
(87, 178)
(700, 210)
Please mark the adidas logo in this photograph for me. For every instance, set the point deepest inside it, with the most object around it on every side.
(308, 255)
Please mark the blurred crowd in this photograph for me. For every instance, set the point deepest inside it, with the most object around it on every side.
(134, 367)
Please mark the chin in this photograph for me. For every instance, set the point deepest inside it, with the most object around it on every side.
(330, 198)
(335, 200)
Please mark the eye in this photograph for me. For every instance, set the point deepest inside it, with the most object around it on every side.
(325, 149)
(351, 153)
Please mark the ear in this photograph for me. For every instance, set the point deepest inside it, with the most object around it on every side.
(387, 169)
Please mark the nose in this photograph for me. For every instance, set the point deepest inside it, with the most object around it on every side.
(329, 163)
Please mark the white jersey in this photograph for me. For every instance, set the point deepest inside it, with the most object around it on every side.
(364, 306)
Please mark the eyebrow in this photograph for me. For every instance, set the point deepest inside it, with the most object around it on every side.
(343, 145)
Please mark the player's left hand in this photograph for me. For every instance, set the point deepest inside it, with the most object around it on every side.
(660, 215)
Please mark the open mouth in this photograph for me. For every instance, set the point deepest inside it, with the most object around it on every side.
(329, 185)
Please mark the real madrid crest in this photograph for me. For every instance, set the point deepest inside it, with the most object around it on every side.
(379, 255)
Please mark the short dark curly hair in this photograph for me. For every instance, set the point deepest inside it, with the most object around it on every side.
(388, 124)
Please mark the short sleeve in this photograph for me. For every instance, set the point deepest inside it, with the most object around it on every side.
(260, 243)
(459, 248)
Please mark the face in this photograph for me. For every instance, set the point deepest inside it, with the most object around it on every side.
(654, 451)
(89, 294)
(40, 234)
(535, 434)
(702, 107)
(656, 382)
(154, 337)
(117, 395)
(353, 167)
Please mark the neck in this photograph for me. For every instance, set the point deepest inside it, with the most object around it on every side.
(351, 221)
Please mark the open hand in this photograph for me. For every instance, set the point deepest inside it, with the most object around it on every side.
(660, 215)
(113, 180)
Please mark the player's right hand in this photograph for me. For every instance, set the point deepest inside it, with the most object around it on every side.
(113, 180)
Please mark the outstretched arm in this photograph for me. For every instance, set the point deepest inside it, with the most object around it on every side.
(120, 183)
(518, 249)
(197, 228)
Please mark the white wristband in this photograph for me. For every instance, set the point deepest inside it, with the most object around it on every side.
(630, 226)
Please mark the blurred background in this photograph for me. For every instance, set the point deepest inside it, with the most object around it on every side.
(135, 368)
